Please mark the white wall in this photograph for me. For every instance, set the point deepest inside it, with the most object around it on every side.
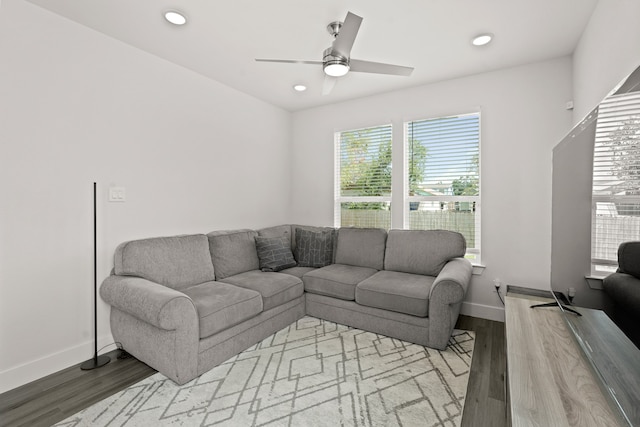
(78, 107)
(608, 51)
(523, 117)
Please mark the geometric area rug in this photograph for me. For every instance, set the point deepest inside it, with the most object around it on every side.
(312, 373)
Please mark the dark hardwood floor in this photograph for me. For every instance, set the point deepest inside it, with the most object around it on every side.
(49, 400)
(485, 404)
(52, 399)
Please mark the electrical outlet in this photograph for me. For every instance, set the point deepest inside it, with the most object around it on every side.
(497, 283)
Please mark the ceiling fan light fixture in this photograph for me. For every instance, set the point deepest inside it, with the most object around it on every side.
(336, 67)
(175, 17)
(482, 39)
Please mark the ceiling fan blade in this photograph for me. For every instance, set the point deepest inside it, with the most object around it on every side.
(379, 68)
(289, 61)
(329, 84)
(344, 40)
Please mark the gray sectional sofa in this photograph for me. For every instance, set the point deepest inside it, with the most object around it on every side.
(185, 304)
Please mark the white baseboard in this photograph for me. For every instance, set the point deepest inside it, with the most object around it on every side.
(47, 365)
(482, 311)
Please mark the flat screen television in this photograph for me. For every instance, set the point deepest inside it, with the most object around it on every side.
(614, 359)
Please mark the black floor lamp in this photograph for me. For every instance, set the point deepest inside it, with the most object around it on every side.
(96, 361)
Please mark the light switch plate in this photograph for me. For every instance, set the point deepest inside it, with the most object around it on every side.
(117, 194)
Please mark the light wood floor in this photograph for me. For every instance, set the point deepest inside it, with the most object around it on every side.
(58, 396)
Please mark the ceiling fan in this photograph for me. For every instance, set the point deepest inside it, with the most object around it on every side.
(336, 59)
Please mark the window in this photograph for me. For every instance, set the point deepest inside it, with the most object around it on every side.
(363, 178)
(442, 177)
(616, 180)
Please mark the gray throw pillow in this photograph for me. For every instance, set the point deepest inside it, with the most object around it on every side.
(314, 248)
(274, 253)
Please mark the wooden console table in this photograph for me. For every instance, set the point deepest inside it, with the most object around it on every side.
(549, 381)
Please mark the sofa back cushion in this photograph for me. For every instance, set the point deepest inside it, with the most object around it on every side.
(290, 231)
(277, 231)
(629, 258)
(362, 247)
(176, 262)
(422, 251)
(233, 252)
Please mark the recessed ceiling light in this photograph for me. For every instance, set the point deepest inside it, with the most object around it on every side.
(299, 88)
(482, 39)
(175, 17)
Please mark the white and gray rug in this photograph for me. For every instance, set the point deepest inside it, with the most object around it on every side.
(313, 373)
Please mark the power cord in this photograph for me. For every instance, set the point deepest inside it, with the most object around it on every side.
(117, 344)
(498, 285)
(122, 354)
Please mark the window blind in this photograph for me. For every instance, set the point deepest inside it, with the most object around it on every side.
(616, 177)
(363, 177)
(442, 177)
(443, 155)
(365, 162)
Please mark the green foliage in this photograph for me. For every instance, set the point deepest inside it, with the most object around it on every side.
(376, 206)
(624, 142)
(468, 185)
(417, 161)
(368, 173)
(465, 186)
(364, 171)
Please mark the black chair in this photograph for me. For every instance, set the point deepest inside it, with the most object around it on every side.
(623, 287)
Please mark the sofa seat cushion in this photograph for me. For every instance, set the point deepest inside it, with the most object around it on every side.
(336, 280)
(275, 288)
(297, 271)
(221, 305)
(402, 292)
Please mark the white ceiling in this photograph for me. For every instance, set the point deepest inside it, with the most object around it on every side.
(222, 38)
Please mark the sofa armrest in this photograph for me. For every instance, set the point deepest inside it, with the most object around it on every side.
(624, 290)
(150, 302)
(452, 283)
(445, 298)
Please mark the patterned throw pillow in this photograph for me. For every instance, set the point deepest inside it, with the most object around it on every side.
(314, 248)
(274, 253)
